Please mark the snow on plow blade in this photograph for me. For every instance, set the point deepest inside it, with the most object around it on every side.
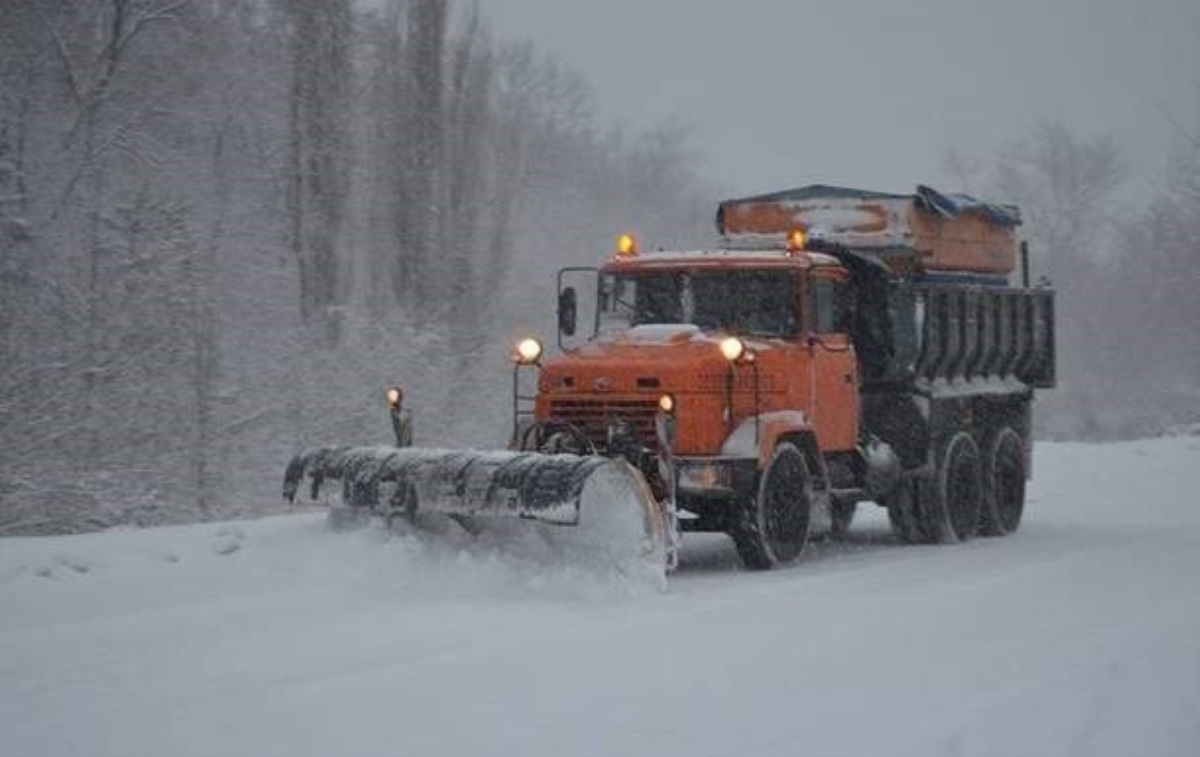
(606, 496)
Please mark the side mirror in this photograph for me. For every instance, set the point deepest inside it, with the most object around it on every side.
(568, 307)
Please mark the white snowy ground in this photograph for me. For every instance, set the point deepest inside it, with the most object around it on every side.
(1080, 635)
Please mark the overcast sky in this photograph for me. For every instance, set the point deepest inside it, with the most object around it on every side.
(873, 93)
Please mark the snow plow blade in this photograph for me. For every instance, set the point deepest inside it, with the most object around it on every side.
(603, 494)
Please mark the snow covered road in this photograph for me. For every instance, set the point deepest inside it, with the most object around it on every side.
(1080, 635)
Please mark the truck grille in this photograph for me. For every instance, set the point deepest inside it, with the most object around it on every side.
(593, 416)
(743, 382)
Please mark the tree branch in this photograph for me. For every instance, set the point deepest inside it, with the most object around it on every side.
(118, 137)
(60, 47)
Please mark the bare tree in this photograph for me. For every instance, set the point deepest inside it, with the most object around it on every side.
(318, 159)
(1064, 184)
(113, 315)
(418, 282)
(184, 188)
(1067, 187)
(1154, 303)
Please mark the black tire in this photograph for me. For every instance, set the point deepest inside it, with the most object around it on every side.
(1003, 484)
(843, 515)
(774, 530)
(949, 508)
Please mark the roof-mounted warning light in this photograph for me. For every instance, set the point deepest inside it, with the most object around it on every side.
(796, 241)
(627, 246)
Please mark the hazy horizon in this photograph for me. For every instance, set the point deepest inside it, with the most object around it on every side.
(871, 93)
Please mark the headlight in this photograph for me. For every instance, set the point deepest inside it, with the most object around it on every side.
(733, 348)
(529, 351)
(394, 395)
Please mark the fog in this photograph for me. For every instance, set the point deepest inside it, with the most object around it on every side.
(872, 93)
(226, 224)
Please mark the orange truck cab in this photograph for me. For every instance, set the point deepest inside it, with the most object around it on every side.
(765, 387)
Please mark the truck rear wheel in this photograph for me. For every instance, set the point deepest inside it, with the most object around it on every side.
(774, 530)
(950, 508)
(1003, 484)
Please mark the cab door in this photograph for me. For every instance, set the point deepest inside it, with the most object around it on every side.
(834, 382)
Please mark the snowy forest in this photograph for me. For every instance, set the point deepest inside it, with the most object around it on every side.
(225, 225)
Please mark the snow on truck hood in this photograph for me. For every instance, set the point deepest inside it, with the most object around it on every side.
(667, 334)
(655, 333)
(671, 353)
(679, 345)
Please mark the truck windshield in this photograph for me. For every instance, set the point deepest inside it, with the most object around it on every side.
(760, 303)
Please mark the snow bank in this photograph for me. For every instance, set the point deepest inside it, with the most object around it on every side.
(1076, 635)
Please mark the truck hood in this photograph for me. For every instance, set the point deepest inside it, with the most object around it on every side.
(667, 357)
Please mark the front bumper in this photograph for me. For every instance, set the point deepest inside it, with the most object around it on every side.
(711, 490)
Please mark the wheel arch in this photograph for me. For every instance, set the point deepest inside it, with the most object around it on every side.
(806, 441)
(770, 430)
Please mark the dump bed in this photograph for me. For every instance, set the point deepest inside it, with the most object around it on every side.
(923, 232)
(955, 332)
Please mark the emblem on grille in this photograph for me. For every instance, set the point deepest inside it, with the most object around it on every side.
(603, 384)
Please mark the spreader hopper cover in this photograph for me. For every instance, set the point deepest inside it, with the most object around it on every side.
(923, 231)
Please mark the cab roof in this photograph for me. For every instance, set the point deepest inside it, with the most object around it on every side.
(720, 258)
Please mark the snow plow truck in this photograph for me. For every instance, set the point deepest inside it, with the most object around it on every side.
(838, 346)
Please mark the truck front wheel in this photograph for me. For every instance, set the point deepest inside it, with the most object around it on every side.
(774, 529)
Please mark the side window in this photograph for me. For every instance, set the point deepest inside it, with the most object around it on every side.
(616, 298)
(820, 301)
(832, 306)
